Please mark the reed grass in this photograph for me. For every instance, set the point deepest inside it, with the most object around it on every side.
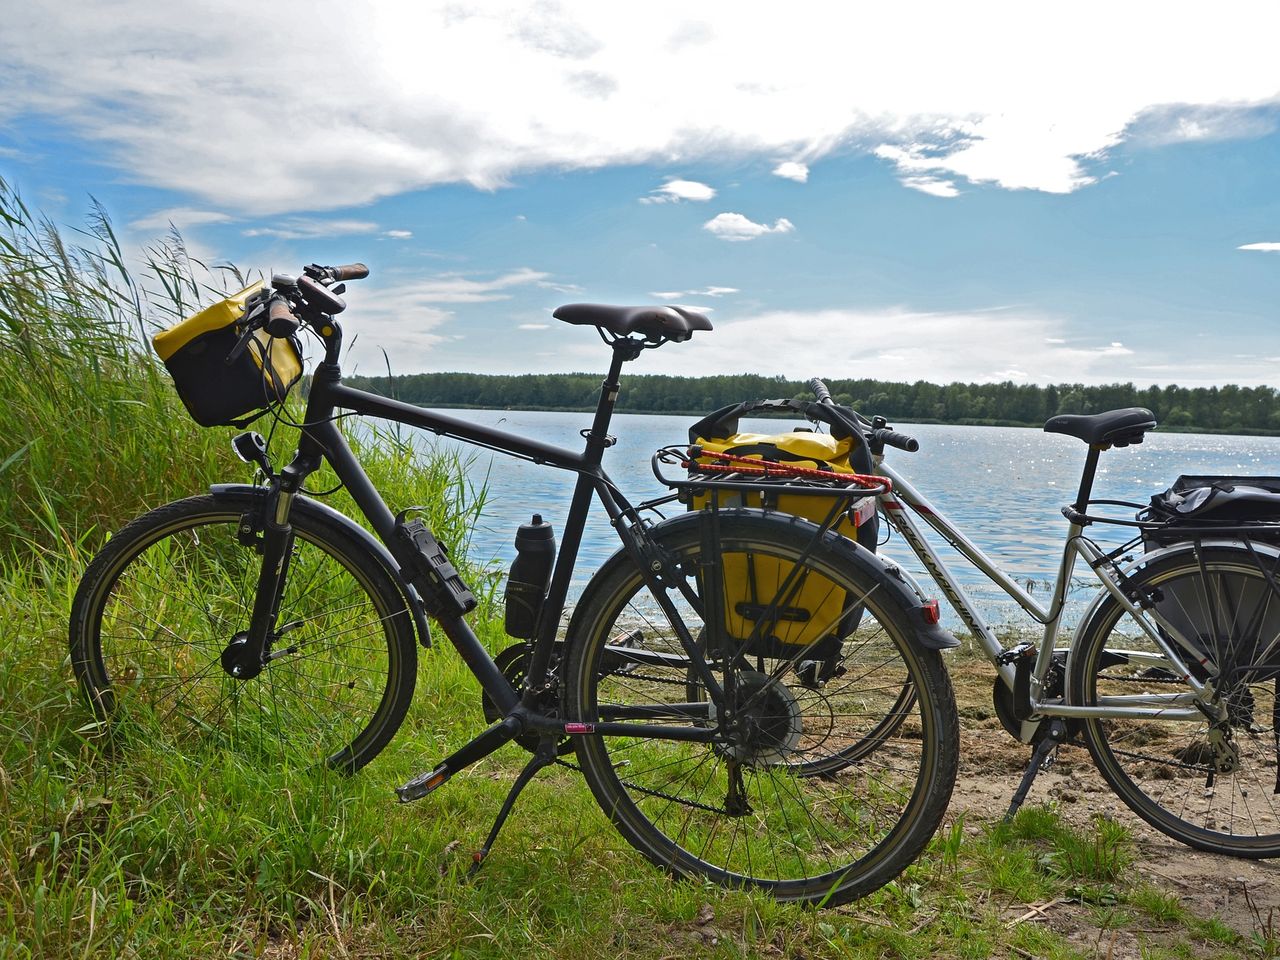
(142, 850)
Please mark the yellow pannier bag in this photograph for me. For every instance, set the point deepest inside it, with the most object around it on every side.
(216, 388)
(817, 609)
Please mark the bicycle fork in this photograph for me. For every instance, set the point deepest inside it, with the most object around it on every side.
(251, 650)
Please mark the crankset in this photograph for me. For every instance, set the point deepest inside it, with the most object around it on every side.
(512, 662)
(1054, 686)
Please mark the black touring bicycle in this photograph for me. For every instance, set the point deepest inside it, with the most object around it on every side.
(752, 697)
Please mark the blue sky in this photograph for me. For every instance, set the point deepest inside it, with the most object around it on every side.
(1018, 195)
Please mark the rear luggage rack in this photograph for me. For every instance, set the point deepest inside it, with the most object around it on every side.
(729, 472)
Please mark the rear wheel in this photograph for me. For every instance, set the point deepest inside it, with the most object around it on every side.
(170, 592)
(1210, 783)
(829, 782)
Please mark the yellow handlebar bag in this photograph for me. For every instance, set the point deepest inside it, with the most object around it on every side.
(217, 388)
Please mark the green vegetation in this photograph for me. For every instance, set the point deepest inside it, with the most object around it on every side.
(144, 849)
(1228, 409)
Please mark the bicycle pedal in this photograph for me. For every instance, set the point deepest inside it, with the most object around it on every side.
(1022, 651)
(421, 785)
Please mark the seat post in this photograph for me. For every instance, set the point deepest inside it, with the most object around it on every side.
(624, 349)
(1086, 480)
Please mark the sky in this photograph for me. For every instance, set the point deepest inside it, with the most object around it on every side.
(1028, 192)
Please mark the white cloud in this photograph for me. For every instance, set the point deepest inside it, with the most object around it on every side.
(792, 170)
(1265, 247)
(412, 98)
(457, 288)
(382, 326)
(977, 346)
(1181, 122)
(673, 191)
(704, 292)
(406, 320)
(398, 234)
(734, 226)
(300, 228)
(932, 185)
(180, 217)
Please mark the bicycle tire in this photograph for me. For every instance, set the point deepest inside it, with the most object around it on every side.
(825, 838)
(1164, 769)
(165, 596)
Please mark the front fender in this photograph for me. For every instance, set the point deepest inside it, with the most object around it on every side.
(313, 508)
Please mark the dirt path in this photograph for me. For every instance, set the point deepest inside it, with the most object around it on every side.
(1241, 893)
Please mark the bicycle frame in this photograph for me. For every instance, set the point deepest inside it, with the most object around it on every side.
(1168, 706)
(322, 440)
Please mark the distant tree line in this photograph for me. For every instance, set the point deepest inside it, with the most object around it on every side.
(1228, 409)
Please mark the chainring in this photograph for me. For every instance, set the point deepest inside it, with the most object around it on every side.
(1054, 686)
(512, 662)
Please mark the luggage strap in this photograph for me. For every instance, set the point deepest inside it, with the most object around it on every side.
(731, 463)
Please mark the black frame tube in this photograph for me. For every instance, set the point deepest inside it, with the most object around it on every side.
(322, 435)
(371, 405)
(321, 439)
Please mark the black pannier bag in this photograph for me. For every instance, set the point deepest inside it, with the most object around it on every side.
(217, 388)
(1224, 508)
(1194, 502)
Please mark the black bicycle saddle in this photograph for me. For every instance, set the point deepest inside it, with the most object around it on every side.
(653, 323)
(1118, 427)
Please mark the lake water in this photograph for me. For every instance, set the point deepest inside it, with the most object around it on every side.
(1003, 486)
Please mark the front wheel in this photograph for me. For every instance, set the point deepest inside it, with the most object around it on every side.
(1205, 776)
(834, 774)
(169, 593)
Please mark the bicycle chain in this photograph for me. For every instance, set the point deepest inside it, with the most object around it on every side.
(1198, 768)
(636, 676)
(657, 793)
(635, 786)
(1170, 679)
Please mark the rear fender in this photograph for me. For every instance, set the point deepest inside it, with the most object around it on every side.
(893, 580)
(1172, 550)
(247, 496)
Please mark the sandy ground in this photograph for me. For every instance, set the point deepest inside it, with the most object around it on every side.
(1244, 894)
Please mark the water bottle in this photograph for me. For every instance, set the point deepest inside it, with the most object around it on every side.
(530, 576)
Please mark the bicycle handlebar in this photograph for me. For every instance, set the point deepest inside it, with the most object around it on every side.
(879, 436)
(820, 391)
(891, 438)
(280, 313)
(349, 271)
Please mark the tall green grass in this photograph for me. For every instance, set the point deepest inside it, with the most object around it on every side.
(142, 850)
(91, 431)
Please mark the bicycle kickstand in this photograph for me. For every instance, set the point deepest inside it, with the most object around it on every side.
(1041, 759)
(543, 757)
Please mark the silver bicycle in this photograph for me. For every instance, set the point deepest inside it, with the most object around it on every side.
(1172, 677)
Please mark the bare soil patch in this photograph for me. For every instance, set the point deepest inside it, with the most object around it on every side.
(1242, 894)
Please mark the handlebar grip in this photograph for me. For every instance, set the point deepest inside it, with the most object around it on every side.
(281, 320)
(349, 271)
(280, 311)
(891, 438)
(820, 390)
